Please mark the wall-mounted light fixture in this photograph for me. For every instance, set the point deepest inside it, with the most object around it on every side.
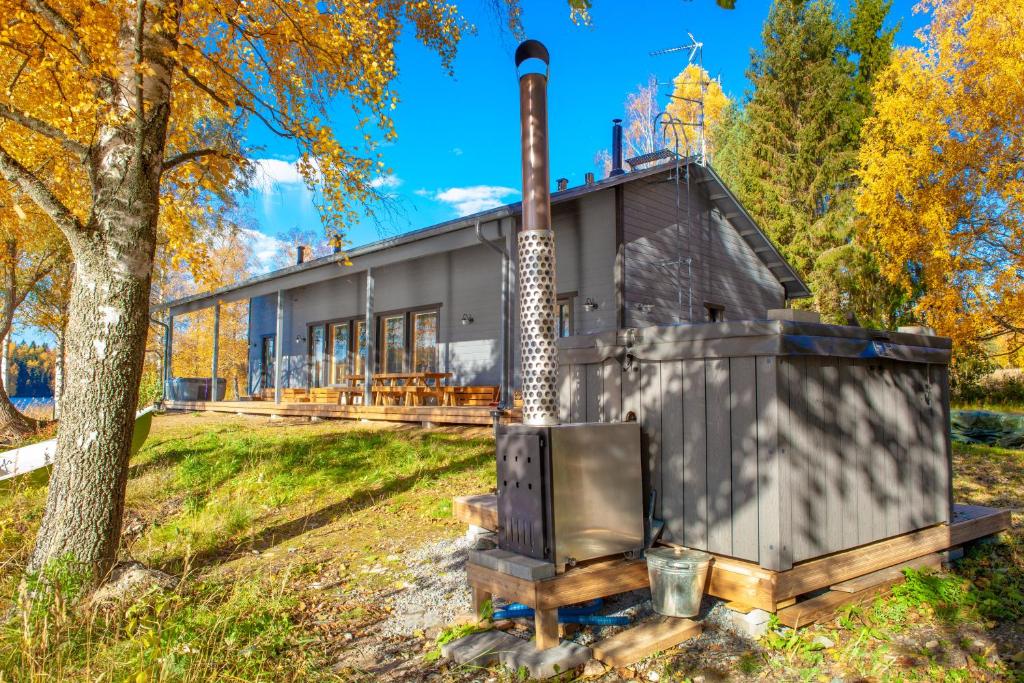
(467, 319)
(589, 305)
(299, 339)
(645, 308)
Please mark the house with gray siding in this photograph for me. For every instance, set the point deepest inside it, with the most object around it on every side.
(663, 245)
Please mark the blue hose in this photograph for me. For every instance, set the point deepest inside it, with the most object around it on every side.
(584, 615)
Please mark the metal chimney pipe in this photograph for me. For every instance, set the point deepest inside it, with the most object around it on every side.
(300, 254)
(616, 148)
(537, 292)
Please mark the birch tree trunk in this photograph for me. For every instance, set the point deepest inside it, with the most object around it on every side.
(58, 372)
(109, 309)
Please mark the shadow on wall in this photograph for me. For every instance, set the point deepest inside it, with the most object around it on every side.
(830, 453)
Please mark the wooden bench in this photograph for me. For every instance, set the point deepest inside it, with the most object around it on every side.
(471, 396)
(325, 395)
(349, 395)
(292, 396)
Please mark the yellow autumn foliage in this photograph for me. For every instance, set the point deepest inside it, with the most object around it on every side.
(690, 88)
(942, 172)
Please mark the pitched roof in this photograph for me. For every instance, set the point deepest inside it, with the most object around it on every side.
(718, 193)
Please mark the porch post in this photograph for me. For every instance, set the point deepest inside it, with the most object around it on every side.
(368, 362)
(278, 344)
(168, 344)
(216, 348)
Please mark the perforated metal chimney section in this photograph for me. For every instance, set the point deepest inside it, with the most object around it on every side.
(537, 316)
(536, 248)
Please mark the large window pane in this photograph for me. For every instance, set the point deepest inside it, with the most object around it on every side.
(424, 348)
(359, 358)
(317, 350)
(392, 343)
(267, 363)
(339, 352)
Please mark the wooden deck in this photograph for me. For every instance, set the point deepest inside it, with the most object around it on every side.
(852, 576)
(462, 415)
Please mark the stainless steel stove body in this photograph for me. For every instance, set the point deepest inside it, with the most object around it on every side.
(569, 493)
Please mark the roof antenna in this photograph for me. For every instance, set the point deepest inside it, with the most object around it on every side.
(695, 48)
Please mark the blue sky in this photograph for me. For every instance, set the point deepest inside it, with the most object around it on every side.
(457, 149)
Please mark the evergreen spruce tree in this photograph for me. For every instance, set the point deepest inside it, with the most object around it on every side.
(790, 154)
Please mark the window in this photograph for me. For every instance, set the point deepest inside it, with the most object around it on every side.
(424, 341)
(392, 347)
(340, 344)
(267, 362)
(565, 317)
(317, 352)
(359, 357)
(716, 312)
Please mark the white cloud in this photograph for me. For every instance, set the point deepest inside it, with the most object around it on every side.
(386, 182)
(423, 192)
(267, 250)
(473, 199)
(273, 172)
(457, 151)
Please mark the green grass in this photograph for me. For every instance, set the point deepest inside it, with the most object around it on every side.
(257, 516)
(250, 512)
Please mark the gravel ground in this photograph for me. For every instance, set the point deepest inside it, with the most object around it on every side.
(435, 593)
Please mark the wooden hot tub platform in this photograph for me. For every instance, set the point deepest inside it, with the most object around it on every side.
(851, 576)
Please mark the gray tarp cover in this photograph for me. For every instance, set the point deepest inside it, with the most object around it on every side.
(992, 429)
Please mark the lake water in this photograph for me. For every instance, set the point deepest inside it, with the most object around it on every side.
(33, 403)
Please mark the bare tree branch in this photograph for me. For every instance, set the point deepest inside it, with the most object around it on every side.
(27, 182)
(43, 128)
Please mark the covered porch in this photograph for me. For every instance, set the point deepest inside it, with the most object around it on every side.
(412, 329)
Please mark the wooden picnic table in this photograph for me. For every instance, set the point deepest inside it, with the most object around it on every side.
(411, 387)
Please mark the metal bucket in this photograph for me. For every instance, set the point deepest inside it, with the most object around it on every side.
(677, 580)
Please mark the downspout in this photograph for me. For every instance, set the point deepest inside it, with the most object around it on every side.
(503, 402)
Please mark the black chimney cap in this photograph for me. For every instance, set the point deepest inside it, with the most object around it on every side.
(532, 49)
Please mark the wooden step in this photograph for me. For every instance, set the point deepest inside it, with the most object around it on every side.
(632, 645)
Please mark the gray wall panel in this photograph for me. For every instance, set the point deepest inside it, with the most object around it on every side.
(719, 456)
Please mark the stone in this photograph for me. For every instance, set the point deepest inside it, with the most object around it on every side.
(825, 642)
(752, 625)
(593, 669)
(542, 664)
(129, 581)
(488, 540)
(931, 644)
(512, 564)
(653, 676)
(479, 649)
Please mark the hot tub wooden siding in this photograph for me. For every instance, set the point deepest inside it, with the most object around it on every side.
(773, 441)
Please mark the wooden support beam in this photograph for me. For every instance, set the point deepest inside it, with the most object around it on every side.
(278, 346)
(216, 351)
(480, 598)
(545, 624)
(824, 606)
(933, 561)
(368, 343)
(812, 575)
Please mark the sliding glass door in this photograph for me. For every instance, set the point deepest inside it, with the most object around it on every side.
(392, 348)
(340, 345)
(424, 341)
(317, 353)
